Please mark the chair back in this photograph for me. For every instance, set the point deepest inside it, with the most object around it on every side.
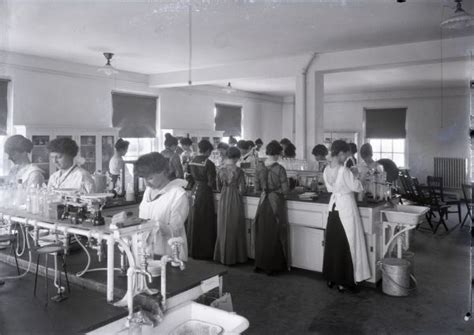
(436, 186)
(408, 190)
(467, 190)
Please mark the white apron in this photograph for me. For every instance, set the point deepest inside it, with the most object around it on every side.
(343, 196)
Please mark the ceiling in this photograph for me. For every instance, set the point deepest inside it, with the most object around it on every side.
(151, 36)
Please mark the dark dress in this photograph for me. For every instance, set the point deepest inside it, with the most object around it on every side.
(271, 222)
(337, 260)
(231, 244)
(201, 229)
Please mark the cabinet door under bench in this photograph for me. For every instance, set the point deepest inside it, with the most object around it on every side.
(306, 247)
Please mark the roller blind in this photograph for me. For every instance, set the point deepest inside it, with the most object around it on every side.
(385, 123)
(134, 115)
(229, 119)
(3, 106)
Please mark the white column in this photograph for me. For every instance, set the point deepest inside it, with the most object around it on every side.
(300, 116)
(317, 134)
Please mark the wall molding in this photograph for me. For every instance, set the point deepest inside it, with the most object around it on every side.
(398, 95)
(51, 66)
(218, 94)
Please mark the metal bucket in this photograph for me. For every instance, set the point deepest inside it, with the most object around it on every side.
(396, 277)
(410, 256)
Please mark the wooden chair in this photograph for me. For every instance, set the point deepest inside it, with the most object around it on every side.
(437, 208)
(436, 185)
(408, 191)
(467, 191)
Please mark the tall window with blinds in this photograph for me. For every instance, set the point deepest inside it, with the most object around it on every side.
(385, 130)
(228, 118)
(134, 115)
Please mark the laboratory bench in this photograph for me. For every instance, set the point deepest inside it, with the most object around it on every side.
(307, 220)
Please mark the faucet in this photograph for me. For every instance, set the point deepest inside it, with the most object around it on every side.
(175, 243)
(98, 248)
(154, 313)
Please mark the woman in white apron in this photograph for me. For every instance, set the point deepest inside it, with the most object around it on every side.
(69, 175)
(164, 201)
(345, 256)
(17, 147)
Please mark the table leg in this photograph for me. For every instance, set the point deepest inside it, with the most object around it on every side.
(399, 246)
(110, 269)
(221, 286)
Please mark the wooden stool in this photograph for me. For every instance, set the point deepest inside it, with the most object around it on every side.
(55, 250)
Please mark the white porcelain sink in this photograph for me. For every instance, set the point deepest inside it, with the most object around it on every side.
(200, 314)
(405, 214)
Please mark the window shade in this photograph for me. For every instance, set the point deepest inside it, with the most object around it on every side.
(3, 106)
(229, 119)
(385, 123)
(134, 115)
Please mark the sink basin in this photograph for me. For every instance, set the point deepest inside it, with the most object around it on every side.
(205, 320)
(405, 214)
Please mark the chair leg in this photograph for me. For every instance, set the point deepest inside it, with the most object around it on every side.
(65, 273)
(459, 212)
(428, 219)
(36, 274)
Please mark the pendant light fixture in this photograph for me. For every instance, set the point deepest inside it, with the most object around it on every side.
(108, 69)
(460, 19)
(229, 89)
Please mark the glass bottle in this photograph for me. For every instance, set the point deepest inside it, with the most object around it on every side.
(28, 200)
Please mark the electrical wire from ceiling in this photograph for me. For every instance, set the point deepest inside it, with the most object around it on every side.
(190, 41)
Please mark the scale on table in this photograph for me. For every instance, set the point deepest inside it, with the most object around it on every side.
(78, 208)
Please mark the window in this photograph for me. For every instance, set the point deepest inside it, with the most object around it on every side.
(385, 130)
(229, 119)
(134, 115)
(225, 139)
(5, 164)
(140, 146)
(393, 149)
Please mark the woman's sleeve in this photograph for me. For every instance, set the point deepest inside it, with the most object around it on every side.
(351, 181)
(256, 178)
(325, 178)
(211, 174)
(283, 180)
(242, 186)
(178, 215)
(178, 167)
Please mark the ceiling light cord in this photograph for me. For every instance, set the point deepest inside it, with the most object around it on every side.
(442, 70)
(190, 36)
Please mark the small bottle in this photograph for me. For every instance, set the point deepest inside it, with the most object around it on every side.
(28, 200)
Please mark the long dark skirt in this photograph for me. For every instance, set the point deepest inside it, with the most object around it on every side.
(201, 228)
(337, 264)
(269, 254)
(231, 244)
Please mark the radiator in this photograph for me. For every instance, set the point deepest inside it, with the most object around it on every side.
(452, 170)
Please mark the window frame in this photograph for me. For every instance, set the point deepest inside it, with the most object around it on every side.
(392, 152)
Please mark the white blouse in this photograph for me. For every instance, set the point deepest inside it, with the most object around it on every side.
(30, 175)
(169, 209)
(75, 177)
